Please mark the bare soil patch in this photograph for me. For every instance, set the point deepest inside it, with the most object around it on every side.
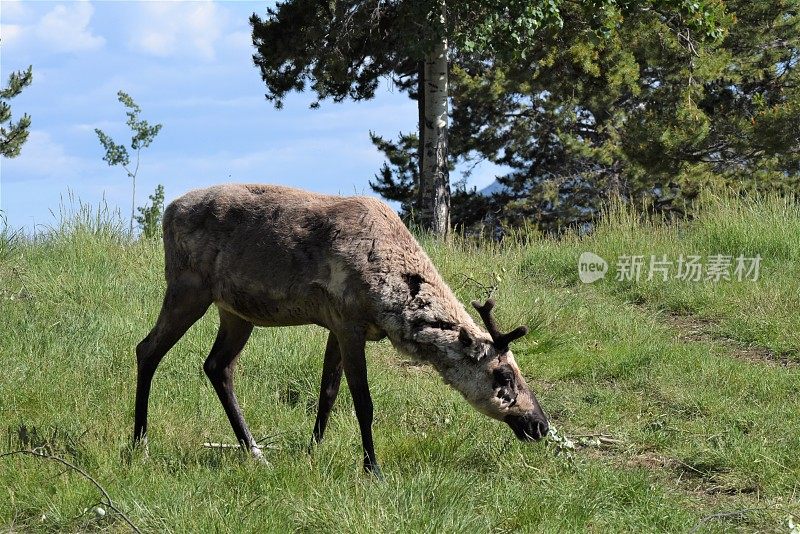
(690, 328)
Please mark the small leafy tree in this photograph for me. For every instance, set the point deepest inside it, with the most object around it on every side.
(116, 154)
(13, 135)
(150, 215)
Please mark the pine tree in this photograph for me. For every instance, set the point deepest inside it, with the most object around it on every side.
(13, 135)
(343, 49)
(652, 104)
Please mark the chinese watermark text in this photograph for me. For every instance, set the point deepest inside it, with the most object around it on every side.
(687, 268)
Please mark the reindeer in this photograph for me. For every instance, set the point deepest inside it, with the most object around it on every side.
(275, 256)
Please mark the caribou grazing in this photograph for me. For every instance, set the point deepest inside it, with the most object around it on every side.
(275, 256)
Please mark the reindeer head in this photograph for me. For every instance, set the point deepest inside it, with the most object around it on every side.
(496, 385)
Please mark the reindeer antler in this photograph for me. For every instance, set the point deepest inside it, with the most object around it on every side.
(500, 340)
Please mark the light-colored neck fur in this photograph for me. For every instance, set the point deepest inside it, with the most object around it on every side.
(422, 318)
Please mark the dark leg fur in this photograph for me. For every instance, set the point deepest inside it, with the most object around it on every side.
(329, 388)
(355, 369)
(185, 302)
(219, 366)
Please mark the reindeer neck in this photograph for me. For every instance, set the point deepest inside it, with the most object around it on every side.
(427, 329)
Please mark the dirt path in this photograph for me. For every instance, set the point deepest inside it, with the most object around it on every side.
(690, 328)
(727, 508)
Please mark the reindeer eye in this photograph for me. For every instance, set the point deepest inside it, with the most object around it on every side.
(504, 376)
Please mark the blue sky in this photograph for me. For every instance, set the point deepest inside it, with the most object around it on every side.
(188, 65)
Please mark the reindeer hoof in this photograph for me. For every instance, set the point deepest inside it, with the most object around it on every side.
(375, 471)
(140, 447)
(258, 456)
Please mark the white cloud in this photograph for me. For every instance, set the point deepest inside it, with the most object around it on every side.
(66, 28)
(208, 102)
(297, 155)
(239, 41)
(167, 29)
(41, 158)
(10, 33)
(13, 9)
(84, 128)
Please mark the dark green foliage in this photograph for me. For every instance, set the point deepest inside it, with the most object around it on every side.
(13, 135)
(117, 154)
(550, 89)
(649, 113)
(143, 133)
(341, 50)
(338, 50)
(398, 179)
(652, 102)
(150, 215)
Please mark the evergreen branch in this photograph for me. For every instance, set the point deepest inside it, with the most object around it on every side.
(15, 134)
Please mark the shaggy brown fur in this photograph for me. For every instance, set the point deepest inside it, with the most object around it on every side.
(276, 256)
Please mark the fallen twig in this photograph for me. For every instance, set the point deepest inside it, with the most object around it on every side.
(47, 456)
(687, 466)
(719, 515)
(603, 439)
(214, 445)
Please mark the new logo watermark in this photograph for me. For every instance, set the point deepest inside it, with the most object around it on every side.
(591, 267)
(687, 268)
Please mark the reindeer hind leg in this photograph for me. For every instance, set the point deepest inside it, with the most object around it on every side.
(185, 301)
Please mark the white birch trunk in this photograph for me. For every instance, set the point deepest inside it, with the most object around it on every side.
(418, 202)
(435, 178)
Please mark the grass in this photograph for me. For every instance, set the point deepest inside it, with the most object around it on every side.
(702, 437)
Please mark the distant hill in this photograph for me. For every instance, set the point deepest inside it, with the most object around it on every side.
(491, 189)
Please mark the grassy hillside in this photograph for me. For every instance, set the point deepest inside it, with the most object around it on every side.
(676, 403)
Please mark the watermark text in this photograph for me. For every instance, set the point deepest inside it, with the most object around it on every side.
(687, 268)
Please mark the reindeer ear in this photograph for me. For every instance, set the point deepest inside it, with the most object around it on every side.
(464, 337)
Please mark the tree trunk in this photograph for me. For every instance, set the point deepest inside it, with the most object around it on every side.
(133, 206)
(435, 178)
(418, 202)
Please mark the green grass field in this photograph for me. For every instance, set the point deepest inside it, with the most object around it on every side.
(677, 403)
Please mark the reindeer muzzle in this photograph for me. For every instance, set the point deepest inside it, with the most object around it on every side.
(528, 427)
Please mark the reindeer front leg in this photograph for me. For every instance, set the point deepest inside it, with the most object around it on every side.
(352, 344)
(232, 335)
